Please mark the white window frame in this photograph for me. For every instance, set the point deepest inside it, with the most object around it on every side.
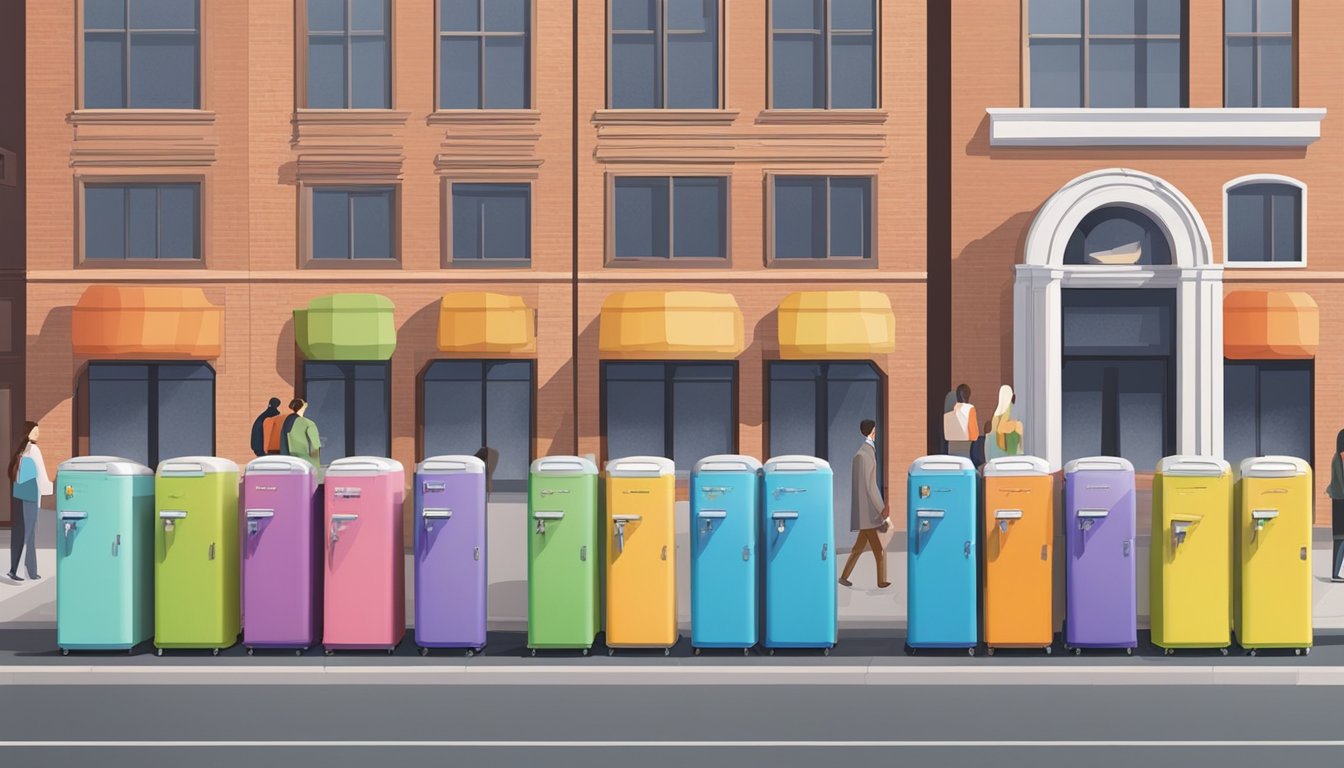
(1267, 178)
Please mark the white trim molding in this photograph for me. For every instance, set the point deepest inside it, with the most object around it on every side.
(1268, 178)
(1086, 127)
(1038, 317)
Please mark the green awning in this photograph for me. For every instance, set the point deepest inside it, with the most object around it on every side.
(346, 326)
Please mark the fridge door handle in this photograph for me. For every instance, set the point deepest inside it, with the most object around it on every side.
(746, 553)
(476, 553)
(966, 550)
(116, 545)
(664, 555)
(824, 547)
(1127, 546)
(1302, 554)
(583, 554)
(1045, 551)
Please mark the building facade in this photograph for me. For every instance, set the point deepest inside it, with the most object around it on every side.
(605, 227)
(1141, 225)
(12, 239)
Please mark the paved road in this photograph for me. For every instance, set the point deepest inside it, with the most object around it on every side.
(678, 725)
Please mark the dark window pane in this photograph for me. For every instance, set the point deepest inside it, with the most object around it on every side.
(163, 14)
(1239, 69)
(1240, 384)
(798, 14)
(793, 416)
(635, 422)
(506, 73)
(104, 14)
(368, 15)
(507, 224)
(326, 15)
(1286, 411)
(459, 15)
(703, 421)
(119, 411)
(851, 228)
(1113, 233)
(459, 73)
(509, 430)
(1239, 15)
(1287, 224)
(800, 218)
(1056, 73)
(186, 411)
(1276, 73)
(331, 224)
(506, 15)
(853, 14)
(372, 212)
(1115, 322)
(1275, 16)
(369, 71)
(143, 235)
(326, 73)
(104, 71)
(326, 408)
(641, 210)
(1247, 226)
(453, 417)
(467, 215)
(1055, 17)
(1134, 17)
(179, 221)
(629, 15)
(700, 206)
(853, 72)
(799, 72)
(371, 417)
(1163, 73)
(1114, 80)
(1081, 409)
(692, 15)
(634, 71)
(104, 222)
(1142, 415)
(693, 71)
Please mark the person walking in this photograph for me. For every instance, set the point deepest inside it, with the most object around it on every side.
(1336, 493)
(28, 477)
(960, 428)
(259, 431)
(299, 437)
(868, 513)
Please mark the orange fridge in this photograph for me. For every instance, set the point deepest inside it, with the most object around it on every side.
(1019, 531)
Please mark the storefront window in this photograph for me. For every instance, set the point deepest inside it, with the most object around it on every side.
(681, 411)
(1267, 409)
(149, 412)
(470, 404)
(351, 405)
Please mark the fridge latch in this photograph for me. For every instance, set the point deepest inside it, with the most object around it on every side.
(116, 545)
(476, 553)
(966, 549)
(1045, 551)
(664, 555)
(746, 553)
(583, 554)
(1127, 543)
(212, 550)
(1302, 554)
(823, 550)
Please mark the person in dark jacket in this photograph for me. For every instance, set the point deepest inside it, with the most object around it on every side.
(1336, 493)
(259, 426)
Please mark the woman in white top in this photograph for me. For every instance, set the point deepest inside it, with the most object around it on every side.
(23, 532)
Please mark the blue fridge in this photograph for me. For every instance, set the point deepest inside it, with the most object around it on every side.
(798, 541)
(941, 594)
(725, 494)
(104, 554)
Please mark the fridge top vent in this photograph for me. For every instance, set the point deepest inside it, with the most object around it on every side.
(1016, 466)
(726, 463)
(363, 465)
(932, 464)
(1098, 464)
(797, 464)
(563, 465)
(641, 466)
(278, 465)
(1274, 466)
(110, 465)
(449, 464)
(1193, 466)
(193, 466)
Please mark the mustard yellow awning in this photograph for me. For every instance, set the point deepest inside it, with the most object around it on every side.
(1270, 325)
(670, 325)
(486, 323)
(157, 322)
(824, 324)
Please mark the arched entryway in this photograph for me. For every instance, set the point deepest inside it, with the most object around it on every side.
(1084, 237)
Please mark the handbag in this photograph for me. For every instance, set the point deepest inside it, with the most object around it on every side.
(25, 483)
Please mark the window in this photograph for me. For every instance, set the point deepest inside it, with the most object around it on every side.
(1258, 61)
(823, 54)
(470, 404)
(484, 54)
(680, 411)
(142, 55)
(353, 223)
(126, 222)
(682, 217)
(814, 409)
(351, 405)
(492, 222)
(823, 217)
(1119, 374)
(1106, 53)
(349, 57)
(149, 412)
(1267, 409)
(663, 54)
(1265, 223)
(1117, 235)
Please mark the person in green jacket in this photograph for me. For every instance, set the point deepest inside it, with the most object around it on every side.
(299, 437)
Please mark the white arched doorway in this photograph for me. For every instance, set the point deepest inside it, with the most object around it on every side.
(1044, 274)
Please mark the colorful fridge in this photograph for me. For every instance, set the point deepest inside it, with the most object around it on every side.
(1019, 531)
(562, 554)
(641, 496)
(450, 554)
(1272, 605)
(1190, 565)
(104, 554)
(1101, 600)
(798, 526)
(281, 576)
(725, 495)
(941, 594)
(196, 554)
(364, 591)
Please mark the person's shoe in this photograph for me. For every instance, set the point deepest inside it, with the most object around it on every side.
(13, 576)
(34, 577)
(846, 583)
(883, 584)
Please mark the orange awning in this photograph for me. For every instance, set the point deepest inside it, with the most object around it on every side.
(147, 322)
(486, 323)
(1270, 325)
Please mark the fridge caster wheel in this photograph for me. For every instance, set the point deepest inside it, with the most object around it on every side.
(989, 651)
(300, 651)
(424, 651)
(329, 652)
(250, 652)
(471, 652)
(667, 651)
(158, 652)
(696, 651)
(1170, 651)
(1251, 652)
(214, 651)
(1223, 651)
(825, 651)
(1049, 650)
(1076, 651)
(746, 651)
(534, 651)
(391, 650)
(1129, 651)
(970, 651)
(1297, 651)
(65, 651)
(585, 651)
(770, 651)
(1306, 651)
(611, 651)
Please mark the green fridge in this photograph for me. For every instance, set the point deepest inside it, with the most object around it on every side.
(104, 554)
(196, 555)
(562, 554)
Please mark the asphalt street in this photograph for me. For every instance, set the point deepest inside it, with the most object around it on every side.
(595, 725)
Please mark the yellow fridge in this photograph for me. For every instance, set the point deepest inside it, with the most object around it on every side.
(1190, 565)
(641, 553)
(1272, 606)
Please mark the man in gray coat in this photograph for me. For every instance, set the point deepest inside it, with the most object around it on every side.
(868, 513)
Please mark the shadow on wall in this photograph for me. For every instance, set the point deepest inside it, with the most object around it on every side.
(422, 324)
(562, 439)
(589, 349)
(286, 357)
(985, 257)
(55, 334)
(757, 349)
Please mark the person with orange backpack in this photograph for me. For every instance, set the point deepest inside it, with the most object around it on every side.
(262, 441)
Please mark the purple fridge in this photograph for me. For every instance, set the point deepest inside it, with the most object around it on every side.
(450, 564)
(1099, 519)
(281, 574)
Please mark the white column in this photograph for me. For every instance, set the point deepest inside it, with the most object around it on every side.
(1037, 345)
(1199, 382)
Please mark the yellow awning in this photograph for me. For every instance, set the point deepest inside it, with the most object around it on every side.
(486, 323)
(1270, 325)
(670, 325)
(824, 324)
(156, 322)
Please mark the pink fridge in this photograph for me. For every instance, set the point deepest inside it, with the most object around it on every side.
(282, 576)
(364, 599)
